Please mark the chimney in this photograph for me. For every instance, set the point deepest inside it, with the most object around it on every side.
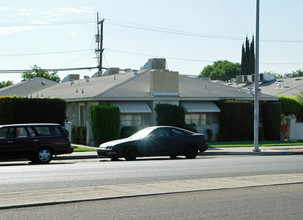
(164, 83)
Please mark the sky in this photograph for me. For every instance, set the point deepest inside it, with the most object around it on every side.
(191, 34)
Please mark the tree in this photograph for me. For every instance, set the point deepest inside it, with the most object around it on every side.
(6, 83)
(297, 73)
(221, 70)
(248, 57)
(38, 72)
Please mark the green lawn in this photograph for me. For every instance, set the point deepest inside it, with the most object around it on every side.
(251, 143)
(82, 149)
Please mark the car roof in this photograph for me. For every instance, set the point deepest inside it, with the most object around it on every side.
(29, 124)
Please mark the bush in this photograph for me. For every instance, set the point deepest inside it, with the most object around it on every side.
(271, 120)
(191, 127)
(236, 120)
(171, 115)
(15, 110)
(79, 135)
(127, 131)
(209, 133)
(105, 122)
(290, 105)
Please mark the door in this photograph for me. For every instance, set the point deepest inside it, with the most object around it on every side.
(157, 143)
(6, 141)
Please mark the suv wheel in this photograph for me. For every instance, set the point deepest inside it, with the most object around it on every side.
(43, 155)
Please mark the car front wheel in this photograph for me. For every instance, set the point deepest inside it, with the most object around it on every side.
(130, 153)
(191, 152)
(43, 155)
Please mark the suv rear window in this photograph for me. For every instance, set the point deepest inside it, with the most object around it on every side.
(47, 131)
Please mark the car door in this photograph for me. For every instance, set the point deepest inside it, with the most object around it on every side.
(25, 142)
(179, 141)
(6, 141)
(157, 143)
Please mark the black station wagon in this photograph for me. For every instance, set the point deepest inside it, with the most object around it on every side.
(37, 142)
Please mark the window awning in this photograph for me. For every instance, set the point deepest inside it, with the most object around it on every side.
(132, 107)
(199, 107)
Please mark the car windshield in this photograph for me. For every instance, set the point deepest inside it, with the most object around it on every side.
(142, 133)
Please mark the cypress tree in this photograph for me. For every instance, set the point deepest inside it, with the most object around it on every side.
(242, 72)
(248, 58)
(252, 57)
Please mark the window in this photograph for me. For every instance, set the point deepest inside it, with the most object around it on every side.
(176, 132)
(3, 132)
(47, 131)
(198, 119)
(161, 132)
(21, 132)
(131, 119)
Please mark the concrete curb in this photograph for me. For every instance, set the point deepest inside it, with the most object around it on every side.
(253, 153)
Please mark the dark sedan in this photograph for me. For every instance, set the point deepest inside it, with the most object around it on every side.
(155, 141)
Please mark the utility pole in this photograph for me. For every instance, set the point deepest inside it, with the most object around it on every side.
(99, 41)
(256, 100)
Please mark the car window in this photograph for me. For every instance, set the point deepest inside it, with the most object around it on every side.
(3, 132)
(21, 132)
(176, 132)
(31, 131)
(47, 130)
(161, 132)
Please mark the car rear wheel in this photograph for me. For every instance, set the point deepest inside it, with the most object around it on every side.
(191, 152)
(114, 158)
(43, 155)
(130, 153)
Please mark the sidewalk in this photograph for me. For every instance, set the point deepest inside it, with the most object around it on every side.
(264, 151)
(220, 151)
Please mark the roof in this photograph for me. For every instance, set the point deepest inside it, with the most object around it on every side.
(27, 87)
(287, 86)
(135, 87)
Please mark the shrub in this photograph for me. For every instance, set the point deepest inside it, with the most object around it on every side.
(31, 110)
(127, 131)
(105, 122)
(191, 127)
(235, 120)
(271, 120)
(290, 105)
(209, 133)
(172, 115)
(79, 135)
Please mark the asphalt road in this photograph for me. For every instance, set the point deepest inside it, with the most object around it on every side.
(19, 177)
(265, 202)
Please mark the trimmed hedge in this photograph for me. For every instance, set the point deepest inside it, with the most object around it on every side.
(172, 115)
(236, 120)
(105, 121)
(290, 105)
(31, 110)
(271, 116)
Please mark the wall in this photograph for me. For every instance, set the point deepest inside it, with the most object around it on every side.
(295, 129)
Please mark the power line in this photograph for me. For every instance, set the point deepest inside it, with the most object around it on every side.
(44, 53)
(68, 22)
(193, 34)
(49, 70)
(186, 59)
